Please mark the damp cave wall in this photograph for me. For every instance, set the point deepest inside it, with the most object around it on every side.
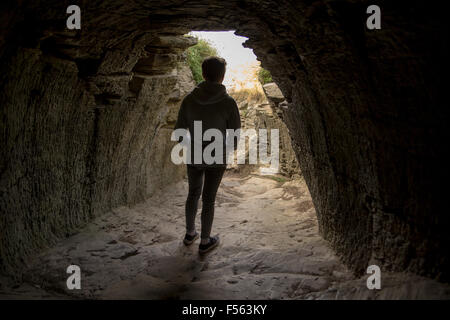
(367, 114)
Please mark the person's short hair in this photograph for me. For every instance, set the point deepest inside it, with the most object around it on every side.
(213, 68)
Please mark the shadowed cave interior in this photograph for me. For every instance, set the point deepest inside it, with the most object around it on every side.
(86, 115)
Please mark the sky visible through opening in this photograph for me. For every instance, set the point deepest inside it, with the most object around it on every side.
(241, 62)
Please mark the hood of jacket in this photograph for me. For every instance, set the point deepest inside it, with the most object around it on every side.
(209, 93)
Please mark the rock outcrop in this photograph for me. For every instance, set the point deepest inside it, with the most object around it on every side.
(273, 93)
(273, 118)
(366, 109)
(261, 109)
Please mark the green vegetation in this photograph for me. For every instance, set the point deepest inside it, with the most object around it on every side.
(195, 56)
(264, 76)
(278, 179)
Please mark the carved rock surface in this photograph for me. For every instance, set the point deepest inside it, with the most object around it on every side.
(367, 111)
(274, 119)
(273, 92)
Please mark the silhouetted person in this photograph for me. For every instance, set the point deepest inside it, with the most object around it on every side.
(210, 104)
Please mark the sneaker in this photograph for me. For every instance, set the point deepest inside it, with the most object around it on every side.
(188, 239)
(213, 242)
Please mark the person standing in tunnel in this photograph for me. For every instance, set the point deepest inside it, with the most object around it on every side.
(210, 104)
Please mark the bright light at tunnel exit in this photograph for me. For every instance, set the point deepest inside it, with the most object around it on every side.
(242, 63)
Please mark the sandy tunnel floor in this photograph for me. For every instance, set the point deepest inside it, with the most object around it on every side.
(270, 249)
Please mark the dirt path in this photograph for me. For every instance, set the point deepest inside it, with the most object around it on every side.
(270, 249)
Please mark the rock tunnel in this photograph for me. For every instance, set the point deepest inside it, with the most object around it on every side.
(81, 111)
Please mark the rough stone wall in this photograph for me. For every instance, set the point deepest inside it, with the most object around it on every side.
(163, 171)
(272, 117)
(367, 111)
(83, 134)
(267, 115)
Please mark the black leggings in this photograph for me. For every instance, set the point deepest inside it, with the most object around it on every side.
(213, 177)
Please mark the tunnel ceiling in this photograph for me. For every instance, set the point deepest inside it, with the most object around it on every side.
(366, 115)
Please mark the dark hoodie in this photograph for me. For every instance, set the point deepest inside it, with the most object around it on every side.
(209, 103)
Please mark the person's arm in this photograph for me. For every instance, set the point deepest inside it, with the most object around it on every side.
(234, 122)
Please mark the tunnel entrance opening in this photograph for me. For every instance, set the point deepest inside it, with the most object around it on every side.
(258, 97)
(266, 220)
(84, 111)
